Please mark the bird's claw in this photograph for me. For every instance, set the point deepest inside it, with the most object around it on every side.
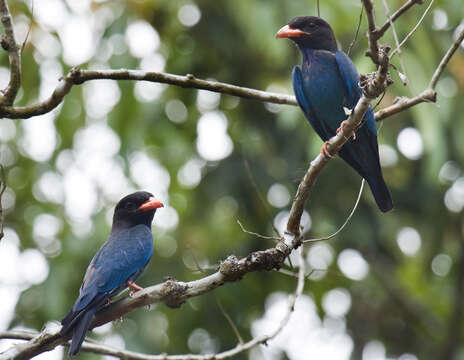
(134, 287)
(340, 129)
(325, 152)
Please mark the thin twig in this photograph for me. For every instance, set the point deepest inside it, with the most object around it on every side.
(29, 29)
(260, 195)
(404, 78)
(444, 61)
(197, 264)
(230, 321)
(318, 9)
(380, 100)
(294, 274)
(346, 221)
(413, 30)
(357, 31)
(408, 4)
(275, 238)
(429, 94)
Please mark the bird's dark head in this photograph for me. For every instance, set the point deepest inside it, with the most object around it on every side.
(136, 208)
(310, 32)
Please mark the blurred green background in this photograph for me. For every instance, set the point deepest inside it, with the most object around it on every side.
(389, 286)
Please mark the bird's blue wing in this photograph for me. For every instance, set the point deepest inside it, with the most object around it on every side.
(297, 78)
(304, 102)
(353, 92)
(350, 77)
(131, 253)
(123, 255)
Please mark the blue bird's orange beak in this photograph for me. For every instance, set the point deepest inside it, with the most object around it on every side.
(289, 32)
(151, 204)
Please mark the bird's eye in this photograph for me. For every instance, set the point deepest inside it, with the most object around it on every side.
(130, 206)
(312, 25)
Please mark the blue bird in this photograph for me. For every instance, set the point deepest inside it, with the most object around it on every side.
(118, 263)
(325, 84)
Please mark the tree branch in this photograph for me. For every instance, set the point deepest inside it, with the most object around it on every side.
(446, 58)
(77, 76)
(8, 43)
(373, 50)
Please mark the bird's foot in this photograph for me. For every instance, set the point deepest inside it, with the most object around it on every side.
(133, 286)
(325, 152)
(342, 125)
(108, 302)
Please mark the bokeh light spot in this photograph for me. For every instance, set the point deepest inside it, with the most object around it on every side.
(141, 38)
(409, 241)
(352, 264)
(336, 302)
(410, 143)
(374, 350)
(213, 142)
(388, 155)
(176, 111)
(278, 195)
(441, 264)
(189, 14)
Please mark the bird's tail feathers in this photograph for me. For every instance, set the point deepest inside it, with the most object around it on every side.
(381, 193)
(68, 322)
(80, 329)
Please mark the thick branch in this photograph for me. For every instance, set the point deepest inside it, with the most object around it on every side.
(172, 292)
(8, 43)
(130, 355)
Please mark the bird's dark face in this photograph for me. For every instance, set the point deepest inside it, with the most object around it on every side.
(310, 32)
(136, 208)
